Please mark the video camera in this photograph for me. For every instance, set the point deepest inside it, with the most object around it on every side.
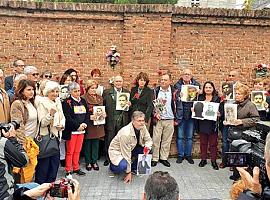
(249, 151)
(7, 126)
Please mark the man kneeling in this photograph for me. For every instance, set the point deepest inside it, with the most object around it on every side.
(130, 141)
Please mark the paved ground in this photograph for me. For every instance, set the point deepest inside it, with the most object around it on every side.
(194, 182)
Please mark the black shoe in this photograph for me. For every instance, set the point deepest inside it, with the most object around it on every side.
(106, 163)
(88, 167)
(153, 163)
(190, 160)
(234, 178)
(165, 163)
(179, 160)
(95, 166)
(63, 163)
(202, 163)
(214, 165)
(79, 172)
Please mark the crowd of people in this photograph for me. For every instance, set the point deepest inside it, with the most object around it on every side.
(63, 114)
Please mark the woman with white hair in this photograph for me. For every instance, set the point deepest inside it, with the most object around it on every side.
(51, 121)
(77, 118)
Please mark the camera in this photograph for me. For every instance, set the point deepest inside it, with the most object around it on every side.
(60, 188)
(7, 126)
(249, 150)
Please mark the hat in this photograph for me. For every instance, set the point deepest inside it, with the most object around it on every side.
(49, 86)
(29, 70)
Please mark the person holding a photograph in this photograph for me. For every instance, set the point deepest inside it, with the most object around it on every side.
(132, 140)
(94, 132)
(141, 97)
(96, 74)
(208, 129)
(115, 119)
(247, 115)
(186, 127)
(165, 120)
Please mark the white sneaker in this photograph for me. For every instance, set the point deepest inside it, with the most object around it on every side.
(111, 174)
(68, 175)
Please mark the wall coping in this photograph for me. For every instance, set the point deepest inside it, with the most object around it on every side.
(134, 8)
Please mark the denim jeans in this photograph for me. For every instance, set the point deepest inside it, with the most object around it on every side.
(184, 138)
(121, 167)
(225, 142)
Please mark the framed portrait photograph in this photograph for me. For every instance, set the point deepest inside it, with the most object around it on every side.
(144, 164)
(190, 93)
(227, 89)
(198, 108)
(64, 92)
(122, 101)
(230, 111)
(259, 99)
(210, 110)
(100, 115)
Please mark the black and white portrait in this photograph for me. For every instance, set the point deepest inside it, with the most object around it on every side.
(122, 101)
(144, 164)
(230, 113)
(259, 99)
(227, 89)
(64, 92)
(211, 110)
(99, 115)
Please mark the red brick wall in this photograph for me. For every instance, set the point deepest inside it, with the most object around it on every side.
(150, 38)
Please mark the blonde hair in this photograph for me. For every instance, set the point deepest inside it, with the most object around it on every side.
(242, 89)
(238, 187)
(90, 83)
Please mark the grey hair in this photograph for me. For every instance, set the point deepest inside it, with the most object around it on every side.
(137, 114)
(161, 186)
(73, 86)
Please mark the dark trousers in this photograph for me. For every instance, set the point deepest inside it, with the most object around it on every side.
(91, 148)
(212, 140)
(108, 138)
(122, 166)
(46, 169)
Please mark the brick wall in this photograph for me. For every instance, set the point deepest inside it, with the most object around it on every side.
(150, 38)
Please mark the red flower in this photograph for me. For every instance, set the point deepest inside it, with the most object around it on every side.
(164, 101)
(136, 96)
(69, 102)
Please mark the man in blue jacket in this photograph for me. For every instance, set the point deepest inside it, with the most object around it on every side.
(186, 127)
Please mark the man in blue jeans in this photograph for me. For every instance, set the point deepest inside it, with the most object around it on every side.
(131, 140)
(186, 127)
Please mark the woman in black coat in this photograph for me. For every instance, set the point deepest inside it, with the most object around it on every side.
(208, 129)
(141, 97)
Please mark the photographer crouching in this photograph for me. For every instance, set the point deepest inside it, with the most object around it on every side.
(254, 189)
(12, 154)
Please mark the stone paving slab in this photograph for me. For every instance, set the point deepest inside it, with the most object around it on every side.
(195, 183)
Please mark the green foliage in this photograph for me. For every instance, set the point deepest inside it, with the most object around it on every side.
(157, 1)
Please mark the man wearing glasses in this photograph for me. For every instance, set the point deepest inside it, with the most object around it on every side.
(32, 74)
(185, 128)
(18, 66)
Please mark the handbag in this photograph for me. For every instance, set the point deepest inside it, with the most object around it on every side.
(234, 133)
(48, 144)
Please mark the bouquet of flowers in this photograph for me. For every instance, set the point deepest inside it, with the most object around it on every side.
(160, 105)
(113, 57)
(262, 70)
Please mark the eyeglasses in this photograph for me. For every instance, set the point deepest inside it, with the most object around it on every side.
(76, 90)
(231, 75)
(35, 74)
(48, 76)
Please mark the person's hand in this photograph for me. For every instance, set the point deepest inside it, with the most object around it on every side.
(10, 133)
(199, 91)
(218, 114)
(237, 122)
(93, 117)
(81, 127)
(52, 112)
(252, 183)
(128, 178)
(158, 116)
(192, 109)
(129, 103)
(266, 105)
(59, 127)
(38, 191)
(76, 194)
(181, 94)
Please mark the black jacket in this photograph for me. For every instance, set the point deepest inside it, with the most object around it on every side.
(8, 83)
(73, 120)
(143, 103)
(207, 126)
(186, 105)
(12, 154)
